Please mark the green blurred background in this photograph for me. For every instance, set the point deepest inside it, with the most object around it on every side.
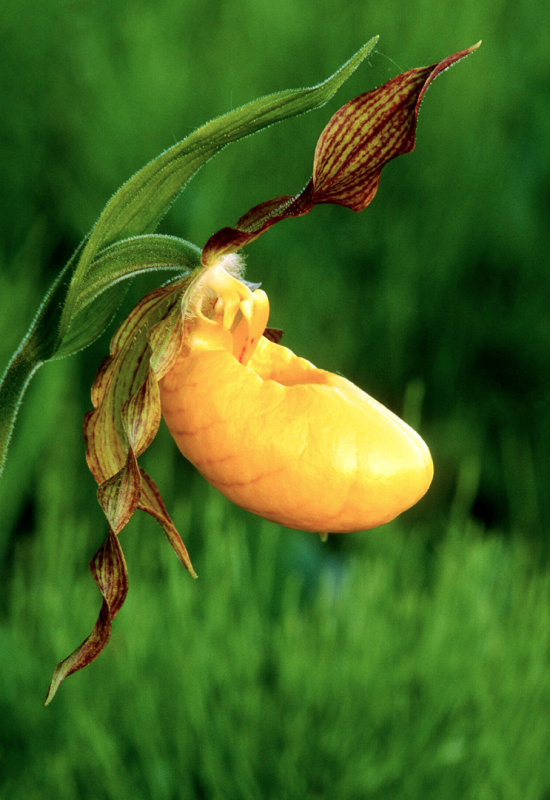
(408, 662)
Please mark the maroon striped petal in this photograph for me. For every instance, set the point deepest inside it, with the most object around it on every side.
(369, 131)
(359, 139)
(255, 222)
(108, 568)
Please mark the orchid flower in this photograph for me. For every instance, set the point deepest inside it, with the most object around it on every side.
(292, 443)
(286, 440)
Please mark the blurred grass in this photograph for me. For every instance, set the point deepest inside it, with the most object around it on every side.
(392, 672)
(408, 662)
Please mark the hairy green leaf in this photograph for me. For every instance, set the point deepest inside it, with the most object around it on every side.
(99, 299)
(101, 291)
(87, 292)
(139, 205)
(37, 347)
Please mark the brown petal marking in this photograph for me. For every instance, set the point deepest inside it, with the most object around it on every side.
(359, 139)
(119, 495)
(108, 568)
(273, 334)
(256, 222)
(369, 131)
(151, 502)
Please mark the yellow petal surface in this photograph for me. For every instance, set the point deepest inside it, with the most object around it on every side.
(287, 441)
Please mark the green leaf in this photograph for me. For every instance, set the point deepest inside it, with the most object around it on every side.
(139, 205)
(100, 297)
(37, 347)
(84, 297)
(130, 257)
(101, 292)
(12, 388)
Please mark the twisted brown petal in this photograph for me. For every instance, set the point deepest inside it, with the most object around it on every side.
(122, 424)
(108, 568)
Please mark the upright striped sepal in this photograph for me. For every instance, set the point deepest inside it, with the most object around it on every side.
(359, 139)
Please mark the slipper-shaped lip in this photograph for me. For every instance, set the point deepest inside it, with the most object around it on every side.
(295, 444)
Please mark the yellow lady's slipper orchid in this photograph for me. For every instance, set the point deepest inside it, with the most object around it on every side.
(276, 435)
(288, 441)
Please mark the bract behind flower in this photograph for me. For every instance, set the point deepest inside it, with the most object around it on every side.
(290, 442)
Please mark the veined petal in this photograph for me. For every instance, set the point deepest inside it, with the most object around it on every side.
(256, 222)
(119, 495)
(124, 392)
(368, 132)
(151, 502)
(359, 139)
(122, 424)
(108, 568)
